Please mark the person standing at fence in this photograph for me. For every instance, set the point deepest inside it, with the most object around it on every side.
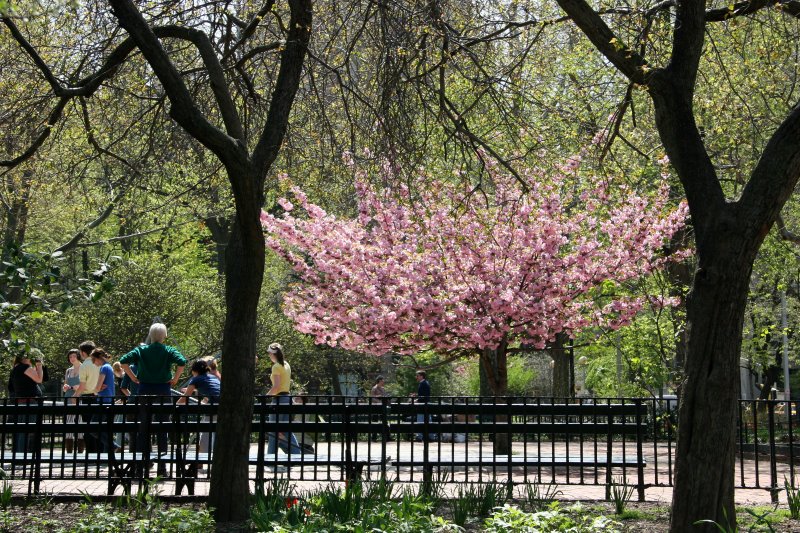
(71, 381)
(281, 378)
(207, 387)
(155, 377)
(88, 375)
(423, 396)
(105, 391)
(23, 385)
(378, 394)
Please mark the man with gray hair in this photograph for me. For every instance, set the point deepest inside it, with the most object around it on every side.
(154, 376)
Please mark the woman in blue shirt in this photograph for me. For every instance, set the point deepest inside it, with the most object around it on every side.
(105, 395)
(207, 386)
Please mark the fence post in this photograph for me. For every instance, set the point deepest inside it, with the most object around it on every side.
(639, 454)
(37, 450)
(773, 466)
(609, 443)
(384, 434)
(348, 453)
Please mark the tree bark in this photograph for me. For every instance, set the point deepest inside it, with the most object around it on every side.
(230, 493)
(706, 445)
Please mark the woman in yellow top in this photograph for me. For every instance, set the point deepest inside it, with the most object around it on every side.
(281, 378)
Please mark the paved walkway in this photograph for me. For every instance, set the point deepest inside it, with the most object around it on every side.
(749, 471)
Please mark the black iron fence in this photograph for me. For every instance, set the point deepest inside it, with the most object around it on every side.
(323, 438)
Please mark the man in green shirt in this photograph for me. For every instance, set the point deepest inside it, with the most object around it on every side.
(155, 377)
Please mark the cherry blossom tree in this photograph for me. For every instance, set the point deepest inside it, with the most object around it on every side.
(459, 271)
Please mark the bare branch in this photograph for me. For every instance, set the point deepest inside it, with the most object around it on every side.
(250, 29)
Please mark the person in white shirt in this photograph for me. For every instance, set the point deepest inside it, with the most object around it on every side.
(89, 375)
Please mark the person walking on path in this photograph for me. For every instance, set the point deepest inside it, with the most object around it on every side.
(71, 381)
(281, 378)
(155, 377)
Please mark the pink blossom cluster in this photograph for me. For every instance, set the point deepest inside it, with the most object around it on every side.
(446, 268)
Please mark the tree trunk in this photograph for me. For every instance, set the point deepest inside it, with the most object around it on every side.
(220, 234)
(229, 495)
(494, 364)
(562, 371)
(707, 415)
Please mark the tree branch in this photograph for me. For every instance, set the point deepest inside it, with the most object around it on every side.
(687, 44)
(291, 68)
(740, 9)
(215, 74)
(775, 176)
(589, 21)
(250, 29)
(73, 242)
(52, 119)
(183, 108)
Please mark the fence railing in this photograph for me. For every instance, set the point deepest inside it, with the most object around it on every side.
(450, 440)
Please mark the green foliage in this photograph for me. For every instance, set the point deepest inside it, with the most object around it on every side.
(358, 507)
(137, 292)
(6, 495)
(105, 519)
(761, 520)
(539, 496)
(792, 498)
(477, 500)
(621, 494)
(269, 503)
(511, 519)
(33, 285)
(466, 378)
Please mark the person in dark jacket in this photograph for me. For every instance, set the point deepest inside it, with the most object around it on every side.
(23, 387)
(423, 396)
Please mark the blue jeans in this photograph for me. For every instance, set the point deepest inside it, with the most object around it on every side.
(288, 444)
(153, 389)
(102, 434)
(23, 442)
(421, 420)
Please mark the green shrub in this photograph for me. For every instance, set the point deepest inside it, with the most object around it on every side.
(511, 519)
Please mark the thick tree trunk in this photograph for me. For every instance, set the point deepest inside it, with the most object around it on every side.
(562, 369)
(494, 365)
(230, 494)
(708, 406)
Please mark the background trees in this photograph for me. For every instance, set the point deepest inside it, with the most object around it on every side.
(93, 164)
